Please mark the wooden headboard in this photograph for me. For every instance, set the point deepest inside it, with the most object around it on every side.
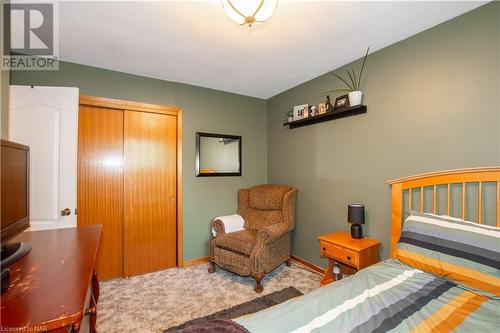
(404, 187)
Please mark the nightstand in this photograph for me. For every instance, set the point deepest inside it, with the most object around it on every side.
(355, 254)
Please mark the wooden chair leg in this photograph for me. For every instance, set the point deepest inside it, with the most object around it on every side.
(92, 312)
(258, 278)
(95, 287)
(94, 298)
(211, 266)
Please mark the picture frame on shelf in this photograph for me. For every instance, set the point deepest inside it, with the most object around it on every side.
(341, 102)
(313, 111)
(321, 108)
(307, 112)
(328, 104)
(299, 111)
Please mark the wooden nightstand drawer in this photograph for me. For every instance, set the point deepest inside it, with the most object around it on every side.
(339, 253)
(351, 254)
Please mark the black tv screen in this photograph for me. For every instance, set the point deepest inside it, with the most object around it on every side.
(14, 184)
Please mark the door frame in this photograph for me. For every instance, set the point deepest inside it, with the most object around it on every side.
(152, 108)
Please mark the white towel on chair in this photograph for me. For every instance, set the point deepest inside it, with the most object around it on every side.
(232, 223)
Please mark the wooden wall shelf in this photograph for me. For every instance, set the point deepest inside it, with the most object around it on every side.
(339, 113)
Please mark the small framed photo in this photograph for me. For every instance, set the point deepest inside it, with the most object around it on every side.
(341, 102)
(321, 108)
(313, 111)
(300, 111)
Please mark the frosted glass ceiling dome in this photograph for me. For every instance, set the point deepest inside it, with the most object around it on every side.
(249, 11)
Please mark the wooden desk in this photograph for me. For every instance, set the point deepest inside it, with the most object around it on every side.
(352, 254)
(54, 286)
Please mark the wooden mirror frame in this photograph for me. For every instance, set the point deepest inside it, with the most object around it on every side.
(199, 135)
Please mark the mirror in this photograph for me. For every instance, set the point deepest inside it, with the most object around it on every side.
(218, 155)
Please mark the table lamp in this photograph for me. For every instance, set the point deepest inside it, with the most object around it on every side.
(356, 216)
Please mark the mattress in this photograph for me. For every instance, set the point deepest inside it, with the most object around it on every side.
(386, 297)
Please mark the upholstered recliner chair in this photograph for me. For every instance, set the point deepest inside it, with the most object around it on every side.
(264, 243)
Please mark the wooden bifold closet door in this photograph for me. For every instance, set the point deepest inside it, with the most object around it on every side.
(149, 192)
(100, 182)
(127, 181)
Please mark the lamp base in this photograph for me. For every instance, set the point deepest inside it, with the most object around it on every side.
(356, 231)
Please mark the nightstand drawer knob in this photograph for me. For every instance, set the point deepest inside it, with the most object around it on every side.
(324, 249)
(349, 258)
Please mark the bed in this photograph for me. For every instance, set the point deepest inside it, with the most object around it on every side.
(455, 287)
(383, 297)
(443, 274)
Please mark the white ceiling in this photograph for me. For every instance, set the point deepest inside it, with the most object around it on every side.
(194, 42)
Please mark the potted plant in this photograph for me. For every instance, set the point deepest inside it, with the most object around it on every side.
(352, 83)
(289, 116)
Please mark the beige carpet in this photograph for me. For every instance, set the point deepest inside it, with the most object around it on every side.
(156, 301)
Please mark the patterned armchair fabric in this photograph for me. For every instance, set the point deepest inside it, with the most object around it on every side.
(264, 244)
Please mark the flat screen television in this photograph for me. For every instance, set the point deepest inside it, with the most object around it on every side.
(14, 200)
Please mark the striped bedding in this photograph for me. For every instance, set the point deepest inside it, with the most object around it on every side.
(386, 297)
(465, 252)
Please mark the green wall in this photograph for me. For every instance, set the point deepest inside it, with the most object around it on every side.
(204, 110)
(433, 104)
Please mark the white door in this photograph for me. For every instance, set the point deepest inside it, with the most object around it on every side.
(46, 120)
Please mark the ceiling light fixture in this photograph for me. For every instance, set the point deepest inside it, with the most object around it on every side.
(249, 12)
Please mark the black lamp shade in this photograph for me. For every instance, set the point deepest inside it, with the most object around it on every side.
(356, 214)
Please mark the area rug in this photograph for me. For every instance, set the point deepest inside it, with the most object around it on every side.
(244, 308)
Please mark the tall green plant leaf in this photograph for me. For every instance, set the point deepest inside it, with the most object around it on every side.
(342, 79)
(352, 80)
(335, 91)
(356, 83)
(363, 65)
(355, 80)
